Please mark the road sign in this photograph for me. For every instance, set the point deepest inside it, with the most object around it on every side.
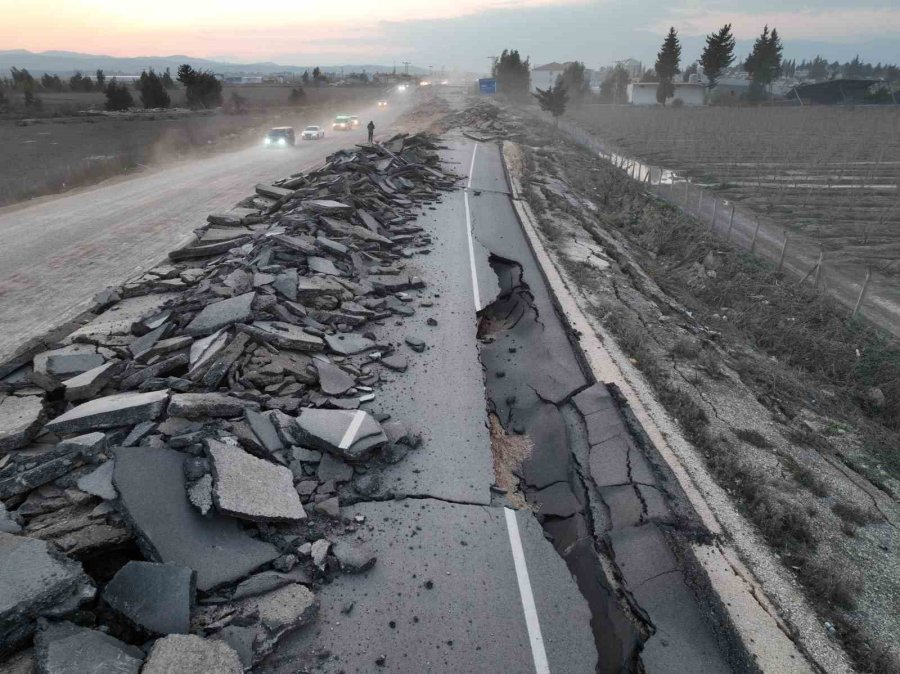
(487, 85)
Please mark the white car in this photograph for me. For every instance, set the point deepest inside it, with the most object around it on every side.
(313, 133)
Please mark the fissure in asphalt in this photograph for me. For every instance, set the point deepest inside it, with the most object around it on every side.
(517, 364)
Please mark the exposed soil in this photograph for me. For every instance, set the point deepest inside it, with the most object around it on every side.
(794, 409)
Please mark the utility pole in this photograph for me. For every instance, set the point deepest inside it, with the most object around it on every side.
(406, 66)
(493, 62)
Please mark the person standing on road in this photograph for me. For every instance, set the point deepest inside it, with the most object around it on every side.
(371, 127)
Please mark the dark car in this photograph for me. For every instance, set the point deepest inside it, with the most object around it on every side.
(280, 136)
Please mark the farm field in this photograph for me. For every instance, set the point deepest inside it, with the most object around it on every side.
(830, 173)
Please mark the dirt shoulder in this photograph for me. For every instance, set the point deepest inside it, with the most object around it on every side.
(789, 410)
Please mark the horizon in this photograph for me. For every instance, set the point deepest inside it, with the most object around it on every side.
(468, 32)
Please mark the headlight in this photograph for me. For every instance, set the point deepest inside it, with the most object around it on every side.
(267, 141)
(282, 141)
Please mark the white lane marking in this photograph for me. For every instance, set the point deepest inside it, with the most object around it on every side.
(531, 617)
(475, 292)
(352, 430)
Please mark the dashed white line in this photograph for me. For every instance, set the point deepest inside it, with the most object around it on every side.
(541, 666)
(352, 429)
(475, 292)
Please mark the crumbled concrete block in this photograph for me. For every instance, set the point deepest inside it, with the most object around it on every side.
(20, 420)
(155, 597)
(221, 314)
(153, 499)
(37, 582)
(190, 654)
(251, 488)
(122, 409)
(205, 405)
(65, 648)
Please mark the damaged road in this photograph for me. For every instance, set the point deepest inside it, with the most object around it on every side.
(279, 452)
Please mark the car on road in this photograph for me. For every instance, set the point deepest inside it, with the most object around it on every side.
(280, 136)
(313, 133)
(354, 121)
(382, 104)
(342, 123)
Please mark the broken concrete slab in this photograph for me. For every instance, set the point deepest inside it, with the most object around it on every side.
(118, 319)
(99, 482)
(121, 409)
(619, 461)
(251, 488)
(595, 398)
(352, 435)
(322, 265)
(38, 582)
(156, 598)
(205, 406)
(333, 380)
(333, 469)
(88, 384)
(221, 314)
(153, 498)
(66, 648)
(353, 557)
(190, 654)
(20, 420)
(267, 581)
(349, 344)
(283, 335)
(264, 430)
(557, 500)
(50, 368)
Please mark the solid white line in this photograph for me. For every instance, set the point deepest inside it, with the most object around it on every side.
(531, 617)
(352, 429)
(475, 292)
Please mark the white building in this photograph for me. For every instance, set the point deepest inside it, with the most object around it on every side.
(543, 77)
(691, 94)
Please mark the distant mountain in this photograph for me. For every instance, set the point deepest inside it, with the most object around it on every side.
(67, 62)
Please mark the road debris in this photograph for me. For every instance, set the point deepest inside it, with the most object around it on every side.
(206, 421)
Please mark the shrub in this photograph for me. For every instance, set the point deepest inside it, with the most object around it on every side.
(117, 96)
(202, 89)
(153, 92)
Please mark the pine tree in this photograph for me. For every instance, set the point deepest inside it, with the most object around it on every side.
(153, 93)
(553, 100)
(764, 62)
(666, 67)
(718, 54)
(513, 75)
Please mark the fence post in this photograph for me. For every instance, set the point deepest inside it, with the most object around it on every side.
(712, 227)
(755, 234)
(686, 187)
(700, 203)
(862, 293)
(783, 250)
(819, 266)
(730, 224)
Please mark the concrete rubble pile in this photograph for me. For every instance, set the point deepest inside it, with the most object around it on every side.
(481, 121)
(173, 469)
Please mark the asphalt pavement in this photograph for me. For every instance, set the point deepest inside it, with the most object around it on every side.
(59, 251)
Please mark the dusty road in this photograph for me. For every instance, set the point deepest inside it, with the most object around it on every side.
(59, 251)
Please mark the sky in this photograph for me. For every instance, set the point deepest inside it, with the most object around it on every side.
(442, 33)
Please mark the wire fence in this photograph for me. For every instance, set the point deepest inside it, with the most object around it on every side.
(863, 291)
